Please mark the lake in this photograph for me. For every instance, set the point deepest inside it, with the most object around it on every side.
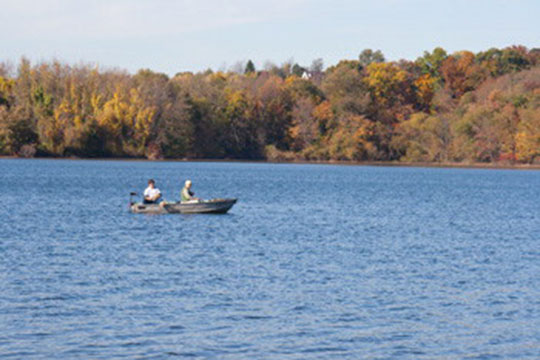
(313, 262)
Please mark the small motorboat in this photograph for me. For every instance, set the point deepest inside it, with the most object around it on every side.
(214, 206)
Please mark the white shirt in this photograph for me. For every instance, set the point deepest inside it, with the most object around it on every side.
(149, 192)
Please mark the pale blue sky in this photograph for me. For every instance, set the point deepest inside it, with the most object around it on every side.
(189, 35)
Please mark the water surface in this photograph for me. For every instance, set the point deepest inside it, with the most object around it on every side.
(313, 262)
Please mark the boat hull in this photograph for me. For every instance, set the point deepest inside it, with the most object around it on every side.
(215, 206)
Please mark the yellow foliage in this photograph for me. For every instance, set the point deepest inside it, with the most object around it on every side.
(323, 111)
(143, 116)
(350, 141)
(294, 132)
(237, 104)
(127, 117)
(217, 77)
(113, 114)
(291, 79)
(95, 103)
(425, 87)
(385, 81)
(6, 85)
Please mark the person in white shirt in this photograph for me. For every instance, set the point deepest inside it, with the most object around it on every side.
(152, 195)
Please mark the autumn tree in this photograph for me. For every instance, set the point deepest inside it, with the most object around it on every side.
(461, 73)
(424, 138)
(459, 107)
(346, 87)
(369, 56)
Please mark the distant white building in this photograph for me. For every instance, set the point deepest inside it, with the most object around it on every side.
(306, 75)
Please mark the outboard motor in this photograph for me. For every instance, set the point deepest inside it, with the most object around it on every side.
(131, 195)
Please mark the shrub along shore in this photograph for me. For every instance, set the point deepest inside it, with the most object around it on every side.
(460, 109)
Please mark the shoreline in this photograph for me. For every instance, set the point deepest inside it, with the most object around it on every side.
(445, 165)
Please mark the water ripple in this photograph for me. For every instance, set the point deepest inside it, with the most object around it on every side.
(314, 262)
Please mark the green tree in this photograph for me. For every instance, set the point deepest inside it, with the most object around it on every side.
(368, 56)
(298, 70)
(430, 63)
(250, 67)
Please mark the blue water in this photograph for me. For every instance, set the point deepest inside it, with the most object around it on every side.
(313, 262)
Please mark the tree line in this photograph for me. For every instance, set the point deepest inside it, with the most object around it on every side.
(460, 107)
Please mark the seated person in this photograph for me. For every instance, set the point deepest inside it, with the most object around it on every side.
(152, 195)
(186, 195)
